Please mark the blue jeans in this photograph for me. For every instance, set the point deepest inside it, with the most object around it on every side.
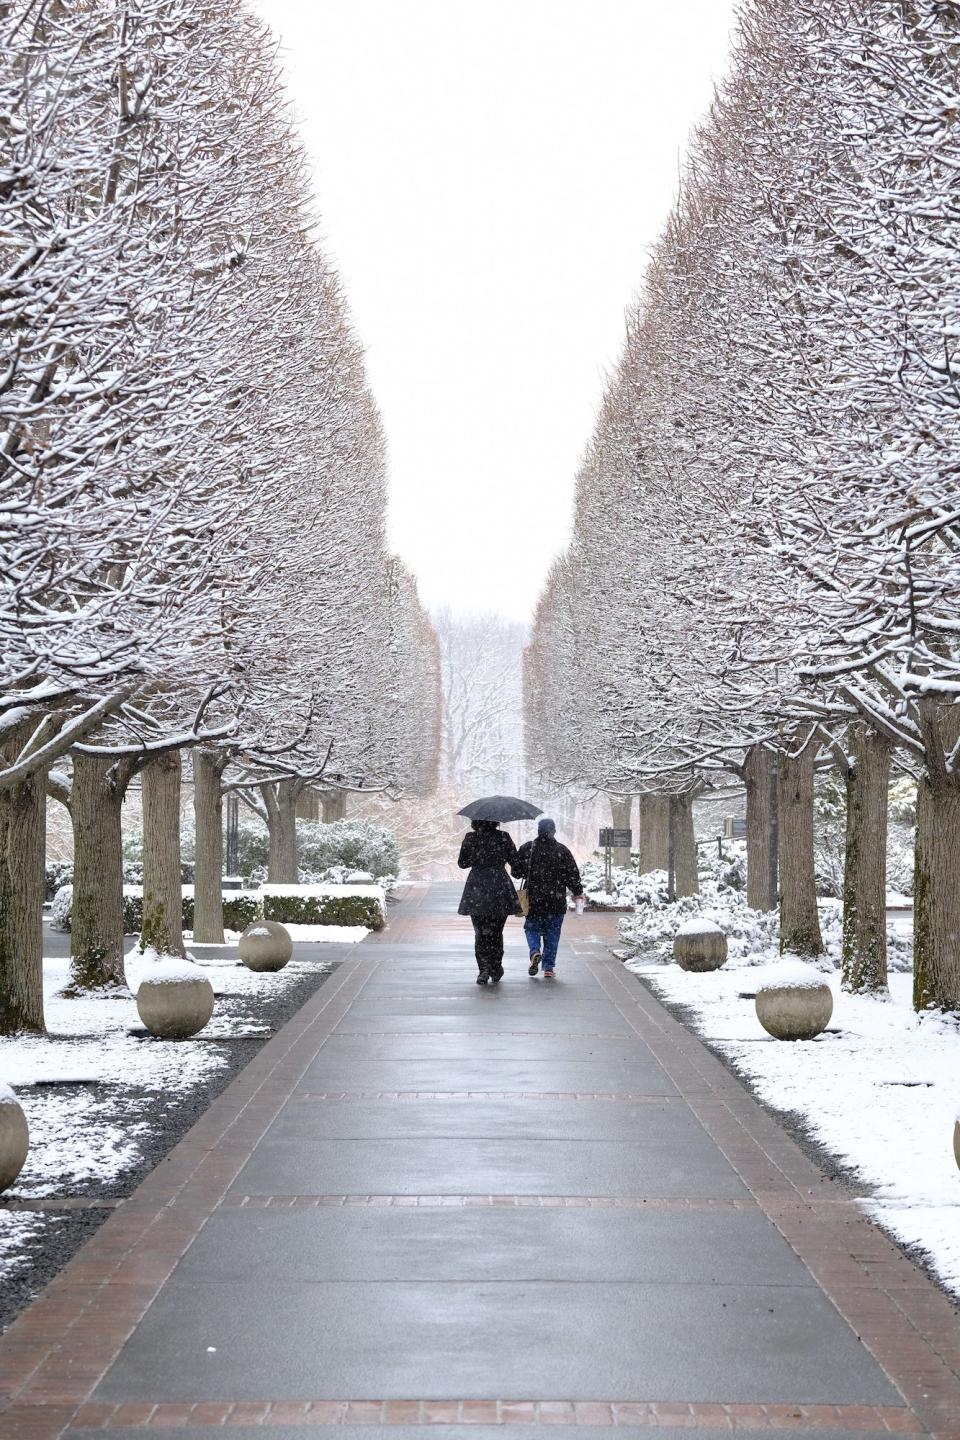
(543, 934)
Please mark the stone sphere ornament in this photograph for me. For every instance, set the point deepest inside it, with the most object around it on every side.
(700, 945)
(174, 998)
(265, 945)
(14, 1137)
(794, 1002)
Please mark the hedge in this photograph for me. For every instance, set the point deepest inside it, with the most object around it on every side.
(321, 907)
(298, 905)
(239, 911)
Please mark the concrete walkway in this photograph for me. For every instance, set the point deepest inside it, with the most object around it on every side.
(431, 1204)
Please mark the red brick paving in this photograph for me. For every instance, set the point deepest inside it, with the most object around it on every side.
(866, 1419)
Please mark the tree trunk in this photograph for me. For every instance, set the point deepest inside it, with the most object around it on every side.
(687, 880)
(280, 799)
(308, 805)
(96, 925)
(162, 886)
(761, 808)
(23, 814)
(936, 898)
(865, 863)
(799, 920)
(334, 804)
(208, 768)
(654, 832)
(620, 808)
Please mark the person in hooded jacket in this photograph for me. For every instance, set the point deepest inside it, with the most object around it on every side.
(489, 896)
(550, 871)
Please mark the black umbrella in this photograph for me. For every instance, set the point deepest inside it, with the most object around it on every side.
(500, 807)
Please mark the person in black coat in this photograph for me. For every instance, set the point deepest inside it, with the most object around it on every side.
(489, 895)
(550, 871)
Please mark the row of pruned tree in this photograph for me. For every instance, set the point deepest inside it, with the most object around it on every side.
(765, 570)
(192, 475)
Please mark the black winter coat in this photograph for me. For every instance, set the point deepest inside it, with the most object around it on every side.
(489, 892)
(550, 871)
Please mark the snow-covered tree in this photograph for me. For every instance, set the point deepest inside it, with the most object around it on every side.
(192, 469)
(775, 462)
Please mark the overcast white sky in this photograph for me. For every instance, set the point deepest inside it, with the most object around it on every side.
(491, 174)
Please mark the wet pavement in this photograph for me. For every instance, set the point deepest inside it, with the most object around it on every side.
(451, 1206)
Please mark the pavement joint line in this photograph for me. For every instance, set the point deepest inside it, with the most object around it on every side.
(474, 1034)
(468, 1202)
(840, 1246)
(798, 1419)
(302, 1096)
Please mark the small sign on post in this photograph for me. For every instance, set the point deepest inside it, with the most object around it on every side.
(610, 840)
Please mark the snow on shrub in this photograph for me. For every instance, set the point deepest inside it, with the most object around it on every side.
(57, 873)
(654, 926)
(721, 902)
(353, 844)
(324, 852)
(295, 904)
(62, 908)
(629, 888)
(751, 934)
(240, 908)
(903, 800)
(325, 905)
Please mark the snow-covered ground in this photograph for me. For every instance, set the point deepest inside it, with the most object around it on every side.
(86, 1135)
(314, 934)
(880, 1089)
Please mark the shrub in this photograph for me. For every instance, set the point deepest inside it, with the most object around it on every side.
(132, 912)
(241, 910)
(830, 807)
(350, 844)
(733, 873)
(57, 874)
(62, 908)
(324, 908)
(355, 844)
(903, 800)
(252, 848)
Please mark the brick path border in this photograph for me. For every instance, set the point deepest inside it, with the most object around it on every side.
(910, 1326)
(865, 1419)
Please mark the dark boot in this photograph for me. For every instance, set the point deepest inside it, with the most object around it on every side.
(483, 977)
